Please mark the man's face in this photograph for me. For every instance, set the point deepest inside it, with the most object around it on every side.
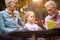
(13, 6)
(51, 10)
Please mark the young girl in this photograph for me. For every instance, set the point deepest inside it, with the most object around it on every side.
(30, 22)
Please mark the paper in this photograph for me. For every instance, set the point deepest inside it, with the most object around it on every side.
(50, 24)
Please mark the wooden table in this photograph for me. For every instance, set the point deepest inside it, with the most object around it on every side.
(35, 34)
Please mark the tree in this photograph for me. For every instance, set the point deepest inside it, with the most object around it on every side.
(22, 3)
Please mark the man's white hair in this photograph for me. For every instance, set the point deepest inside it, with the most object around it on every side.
(7, 1)
(50, 3)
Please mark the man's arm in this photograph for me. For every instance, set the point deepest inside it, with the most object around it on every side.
(46, 19)
(20, 22)
(2, 25)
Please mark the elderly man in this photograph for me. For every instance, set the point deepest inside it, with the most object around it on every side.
(9, 18)
(53, 14)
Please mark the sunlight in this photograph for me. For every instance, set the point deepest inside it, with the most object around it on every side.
(35, 0)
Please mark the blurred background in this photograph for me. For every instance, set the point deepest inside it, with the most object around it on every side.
(30, 5)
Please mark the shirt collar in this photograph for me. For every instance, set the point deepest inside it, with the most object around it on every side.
(8, 11)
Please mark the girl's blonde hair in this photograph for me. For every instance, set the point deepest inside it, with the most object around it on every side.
(27, 15)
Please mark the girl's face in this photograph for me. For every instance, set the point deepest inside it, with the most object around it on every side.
(31, 18)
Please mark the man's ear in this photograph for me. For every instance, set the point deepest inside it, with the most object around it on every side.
(9, 4)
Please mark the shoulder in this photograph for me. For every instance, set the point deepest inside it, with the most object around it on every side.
(26, 27)
(48, 17)
(26, 24)
(58, 12)
(16, 12)
(36, 25)
(3, 12)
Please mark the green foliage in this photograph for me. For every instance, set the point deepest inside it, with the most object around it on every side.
(58, 3)
(40, 11)
(21, 3)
